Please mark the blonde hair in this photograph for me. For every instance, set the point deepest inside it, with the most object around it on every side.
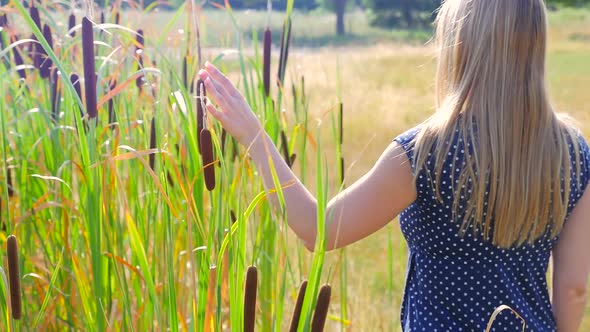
(490, 89)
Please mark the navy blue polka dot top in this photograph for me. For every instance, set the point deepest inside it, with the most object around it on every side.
(453, 282)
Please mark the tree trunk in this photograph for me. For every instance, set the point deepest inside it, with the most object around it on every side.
(340, 8)
(407, 12)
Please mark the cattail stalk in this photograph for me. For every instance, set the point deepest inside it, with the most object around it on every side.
(210, 307)
(285, 42)
(250, 299)
(89, 67)
(152, 157)
(14, 277)
(267, 60)
(297, 310)
(321, 309)
(341, 123)
(201, 96)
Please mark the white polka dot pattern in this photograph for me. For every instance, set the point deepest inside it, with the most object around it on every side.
(453, 282)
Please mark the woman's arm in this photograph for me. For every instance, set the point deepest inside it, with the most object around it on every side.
(571, 261)
(362, 209)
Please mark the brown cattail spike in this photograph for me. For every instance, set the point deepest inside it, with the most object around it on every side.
(285, 42)
(342, 171)
(250, 299)
(75, 79)
(71, 25)
(298, 305)
(152, 143)
(18, 61)
(117, 18)
(112, 114)
(89, 74)
(46, 62)
(14, 277)
(285, 145)
(185, 72)
(266, 60)
(34, 12)
(9, 186)
(3, 21)
(54, 95)
(207, 155)
(321, 309)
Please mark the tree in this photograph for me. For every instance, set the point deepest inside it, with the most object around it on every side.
(401, 13)
(339, 8)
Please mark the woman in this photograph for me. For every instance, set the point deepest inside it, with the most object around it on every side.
(488, 188)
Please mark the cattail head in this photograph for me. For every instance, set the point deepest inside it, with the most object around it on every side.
(285, 42)
(140, 40)
(54, 95)
(139, 55)
(250, 299)
(285, 145)
(298, 306)
(34, 12)
(89, 74)
(112, 115)
(321, 309)
(14, 277)
(46, 63)
(102, 17)
(9, 186)
(71, 25)
(266, 60)
(207, 154)
(18, 61)
(152, 157)
(341, 171)
(3, 20)
(185, 72)
(75, 79)
(117, 18)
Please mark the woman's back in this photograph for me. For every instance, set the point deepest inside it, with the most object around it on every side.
(457, 279)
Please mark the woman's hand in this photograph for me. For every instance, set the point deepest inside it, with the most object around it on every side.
(234, 113)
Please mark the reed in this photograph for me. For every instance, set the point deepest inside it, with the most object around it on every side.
(111, 103)
(284, 55)
(250, 299)
(9, 185)
(297, 311)
(321, 311)
(89, 67)
(14, 277)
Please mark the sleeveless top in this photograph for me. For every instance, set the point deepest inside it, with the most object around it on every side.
(453, 282)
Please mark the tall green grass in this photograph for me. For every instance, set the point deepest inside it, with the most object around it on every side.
(117, 229)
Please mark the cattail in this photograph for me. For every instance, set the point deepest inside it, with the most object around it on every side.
(250, 299)
(117, 18)
(89, 74)
(3, 21)
(46, 63)
(185, 72)
(298, 305)
(285, 145)
(54, 95)
(34, 12)
(285, 42)
(14, 277)
(293, 158)
(112, 115)
(202, 94)
(139, 55)
(266, 60)
(18, 61)
(102, 17)
(9, 186)
(321, 309)
(71, 25)
(223, 136)
(153, 143)
(207, 154)
(75, 79)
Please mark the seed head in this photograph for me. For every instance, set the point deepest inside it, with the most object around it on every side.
(89, 67)
(14, 277)
(297, 310)
(250, 299)
(321, 309)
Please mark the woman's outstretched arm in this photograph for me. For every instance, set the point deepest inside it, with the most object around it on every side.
(362, 209)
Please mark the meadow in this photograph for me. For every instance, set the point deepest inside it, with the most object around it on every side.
(116, 228)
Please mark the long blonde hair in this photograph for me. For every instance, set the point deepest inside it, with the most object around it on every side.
(490, 88)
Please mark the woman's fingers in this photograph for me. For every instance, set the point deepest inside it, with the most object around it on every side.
(219, 97)
(220, 116)
(222, 79)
